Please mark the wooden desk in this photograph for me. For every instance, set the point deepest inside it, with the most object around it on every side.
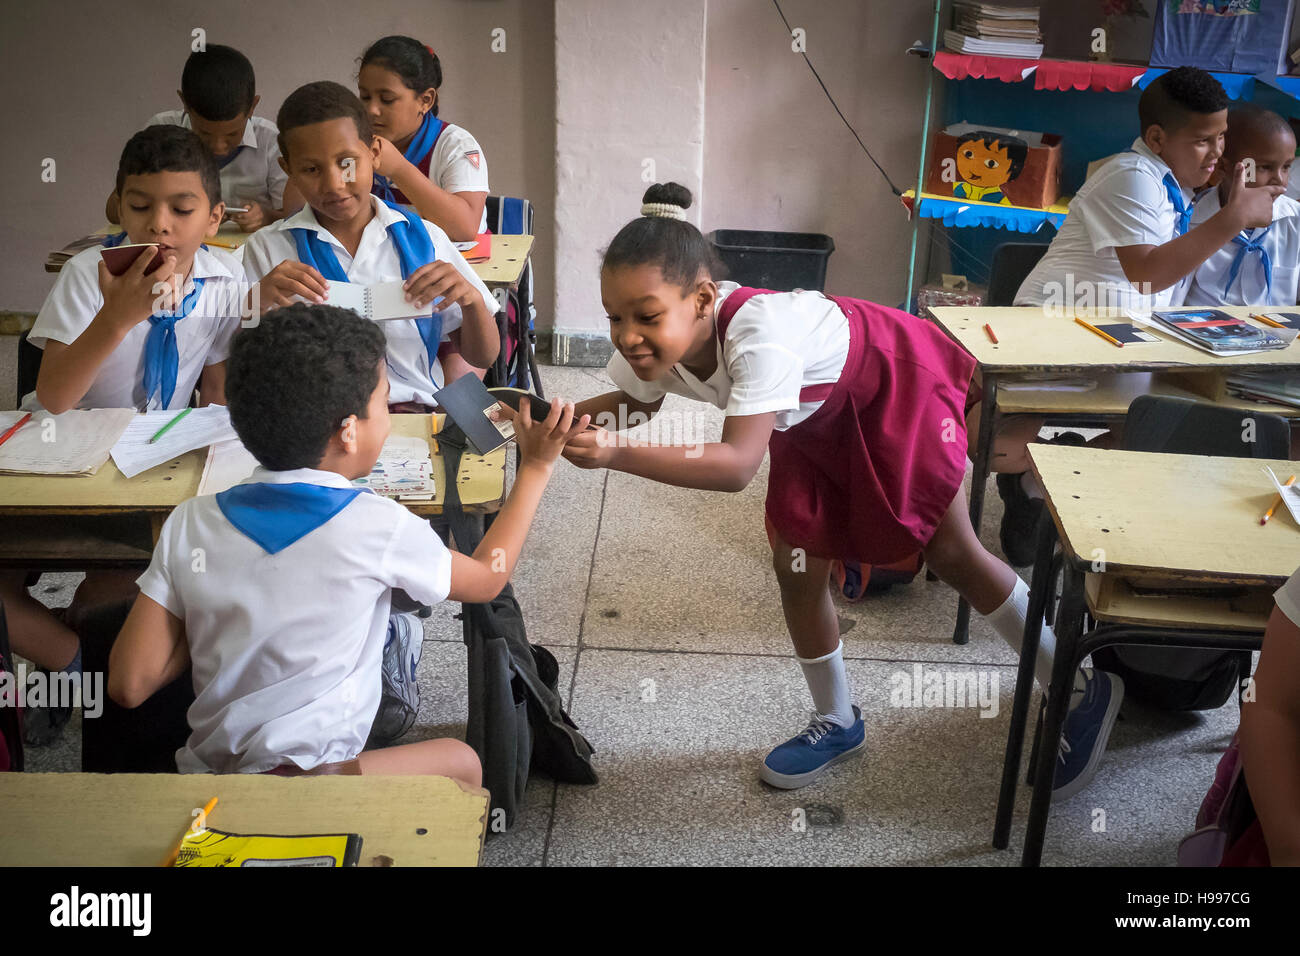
(480, 482)
(509, 253)
(87, 819)
(1128, 520)
(1032, 344)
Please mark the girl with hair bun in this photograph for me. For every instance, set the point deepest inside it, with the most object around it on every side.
(862, 408)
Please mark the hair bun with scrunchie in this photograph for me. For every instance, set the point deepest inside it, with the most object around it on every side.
(666, 201)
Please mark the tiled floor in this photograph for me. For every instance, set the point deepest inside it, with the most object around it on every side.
(660, 604)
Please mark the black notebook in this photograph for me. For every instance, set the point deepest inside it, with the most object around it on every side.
(467, 403)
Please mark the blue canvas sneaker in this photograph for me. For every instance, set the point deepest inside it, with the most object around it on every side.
(1087, 728)
(802, 759)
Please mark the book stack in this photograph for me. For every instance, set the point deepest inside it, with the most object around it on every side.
(993, 29)
(1280, 388)
(1217, 332)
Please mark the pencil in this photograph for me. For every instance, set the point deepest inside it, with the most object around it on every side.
(176, 850)
(1092, 328)
(1267, 321)
(163, 431)
(1276, 501)
(988, 330)
(9, 432)
(222, 243)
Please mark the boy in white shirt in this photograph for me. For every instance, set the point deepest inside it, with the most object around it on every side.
(129, 341)
(1258, 266)
(284, 625)
(1127, 244)
(344, 234)
(218, 95)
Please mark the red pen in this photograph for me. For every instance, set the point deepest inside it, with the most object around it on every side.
(988, 330)
(13, 428)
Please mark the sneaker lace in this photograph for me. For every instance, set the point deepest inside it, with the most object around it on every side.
(818, 727)
(1064, 749)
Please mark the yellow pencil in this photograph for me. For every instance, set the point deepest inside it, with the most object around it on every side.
(1276, 501)
(222, 243)
(176, 851)
(1267, 321)
(1092, 328)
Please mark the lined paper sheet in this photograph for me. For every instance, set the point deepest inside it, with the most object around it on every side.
(74, 443)
(201, 427)
(229, 463)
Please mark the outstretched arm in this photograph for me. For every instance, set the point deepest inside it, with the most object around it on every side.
(727, 465)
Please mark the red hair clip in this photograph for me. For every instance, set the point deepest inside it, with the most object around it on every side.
(431, 53)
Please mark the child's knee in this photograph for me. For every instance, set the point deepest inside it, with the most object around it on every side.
(463, 763)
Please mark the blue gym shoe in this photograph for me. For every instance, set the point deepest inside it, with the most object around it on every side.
(1087, 728)
(802, 759)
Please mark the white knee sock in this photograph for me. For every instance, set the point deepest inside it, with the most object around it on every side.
(829, 684)
(1009, 621)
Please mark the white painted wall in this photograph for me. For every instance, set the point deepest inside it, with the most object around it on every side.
(629, 97)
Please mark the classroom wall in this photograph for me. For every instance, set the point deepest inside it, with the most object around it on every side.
(630, 110)
(776, 155)
(83, 76)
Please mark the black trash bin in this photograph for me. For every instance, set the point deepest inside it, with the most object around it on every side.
(780, 261)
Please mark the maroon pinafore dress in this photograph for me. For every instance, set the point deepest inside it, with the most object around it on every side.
(868, 476)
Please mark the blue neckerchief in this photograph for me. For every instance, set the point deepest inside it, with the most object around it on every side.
(414, 249)
(223, 163)
(1248, 246)
(114, 240)
(161, 356)
(275, 516)
(1175, 194)
(417, 149)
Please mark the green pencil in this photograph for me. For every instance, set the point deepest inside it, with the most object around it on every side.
(163, 431)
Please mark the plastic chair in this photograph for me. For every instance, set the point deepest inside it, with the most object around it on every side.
(1012, 262)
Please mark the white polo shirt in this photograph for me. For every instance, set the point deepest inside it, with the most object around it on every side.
(1124, 204)
(202, 337)
(776, 345)
(255, 171)
(287, 647)
(1281, 242)
(376, 261)
(458, 166)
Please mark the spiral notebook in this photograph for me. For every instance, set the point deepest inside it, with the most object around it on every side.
(379, 302)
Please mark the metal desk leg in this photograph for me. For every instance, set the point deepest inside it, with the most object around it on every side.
(979, 478)
(1068, 630)
(1042, 582)
(500, 367)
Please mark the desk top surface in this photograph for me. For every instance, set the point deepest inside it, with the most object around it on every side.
(509, 253)
(1189, 517)
(122, 819)
(481, 483)
(1031, 340)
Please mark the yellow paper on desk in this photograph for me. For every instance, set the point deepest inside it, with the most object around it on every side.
(218, 848)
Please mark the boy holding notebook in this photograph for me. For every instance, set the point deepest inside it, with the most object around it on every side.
(1257, 266)
(285, 683)
(218, 95)
(344, 234)
(138, 340)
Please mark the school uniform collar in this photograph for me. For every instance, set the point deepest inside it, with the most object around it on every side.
(209, 266)
(1209, 203)
(305, 218)
(1143, 150)
(303, 476)
(250, 135)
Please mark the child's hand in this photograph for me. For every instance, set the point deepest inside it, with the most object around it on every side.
(133, 296)
(391, 162)
(540, 443)
(593, 448)
(1252, 206)
(253, 220)
(290, 279)
(443, 279)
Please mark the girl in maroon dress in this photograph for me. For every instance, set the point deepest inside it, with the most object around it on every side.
(862, 409)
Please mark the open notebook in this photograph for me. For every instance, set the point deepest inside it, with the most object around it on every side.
(74, 443)
(378, 302)
(404, 469)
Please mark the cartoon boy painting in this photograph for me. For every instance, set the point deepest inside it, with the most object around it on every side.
(985, 162)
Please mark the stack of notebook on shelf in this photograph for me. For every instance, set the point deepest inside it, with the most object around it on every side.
(994, 29)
